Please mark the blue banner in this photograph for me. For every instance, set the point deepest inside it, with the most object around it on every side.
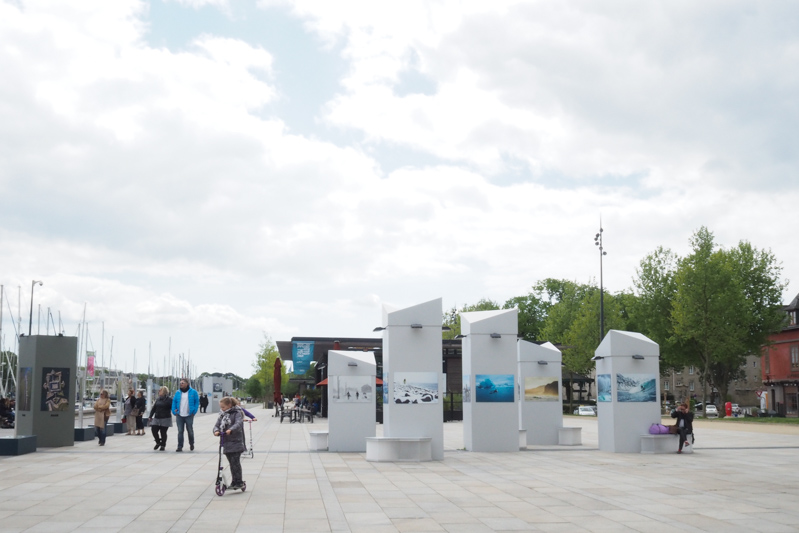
(302, 355)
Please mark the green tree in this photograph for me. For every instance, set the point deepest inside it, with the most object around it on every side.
(452, 317)
(255, 388)
(725, 306)
(532, 314)
(656, 287)
(264, 366)
(566, 300)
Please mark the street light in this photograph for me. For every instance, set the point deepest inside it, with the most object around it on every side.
(598, 242)
(30, 324)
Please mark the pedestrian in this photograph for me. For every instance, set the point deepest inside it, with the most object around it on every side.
(161, 418)
(204, 403)
(231, 424)
(102, 412)
(185, 405)
(685, 420)
(130, 417)
(243, 410)
(141, 406)
(6, 413)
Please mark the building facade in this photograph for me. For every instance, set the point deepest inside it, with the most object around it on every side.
(780, 366)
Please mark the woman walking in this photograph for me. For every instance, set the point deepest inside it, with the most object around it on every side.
(130, 416)
(102, 411)
(161, 418)
(141, 406)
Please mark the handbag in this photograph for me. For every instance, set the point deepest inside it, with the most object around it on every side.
(658, 429)
(134, 412)
(673, 430)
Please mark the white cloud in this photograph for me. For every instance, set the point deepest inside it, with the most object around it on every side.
(586, 90)
(163, 189)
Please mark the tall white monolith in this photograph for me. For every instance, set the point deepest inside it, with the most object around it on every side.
(412, 376)
(541, 392)
(351, 395)
(490, 410)
(628, 388)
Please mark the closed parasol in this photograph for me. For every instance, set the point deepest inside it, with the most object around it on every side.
(277, 377)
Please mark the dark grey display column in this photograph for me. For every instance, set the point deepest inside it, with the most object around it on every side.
(46, 389)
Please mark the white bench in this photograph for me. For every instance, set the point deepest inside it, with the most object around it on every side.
(522, 439)
(318, 440)
(391, 449)
(663, 444)
(570, 436)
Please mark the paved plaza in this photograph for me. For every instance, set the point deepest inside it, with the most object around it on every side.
(740, 478)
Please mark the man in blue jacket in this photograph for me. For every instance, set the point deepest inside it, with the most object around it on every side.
(185, 405)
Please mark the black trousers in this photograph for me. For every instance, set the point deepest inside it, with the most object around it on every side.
(234, 459)
(683, 436)
(162, 431)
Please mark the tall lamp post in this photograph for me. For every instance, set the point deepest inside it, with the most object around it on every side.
(30, 324)
(598, 242)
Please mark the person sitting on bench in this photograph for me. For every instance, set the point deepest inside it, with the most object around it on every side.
(685, 419)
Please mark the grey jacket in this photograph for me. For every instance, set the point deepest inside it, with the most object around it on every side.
(233, 420)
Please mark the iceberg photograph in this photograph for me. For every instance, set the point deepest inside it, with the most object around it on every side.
(415, 387)
(494, 387)
(541, 389)
(604, 393)
(636, 387)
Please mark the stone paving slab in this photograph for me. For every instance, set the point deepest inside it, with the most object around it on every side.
(740, 478)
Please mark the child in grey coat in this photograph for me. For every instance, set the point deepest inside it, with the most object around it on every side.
(230, 425)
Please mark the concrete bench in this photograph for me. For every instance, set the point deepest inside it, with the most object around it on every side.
(382, 449)
(84, 434)
(663, 444)
(570, 436)
(318, 440)
(19, 445)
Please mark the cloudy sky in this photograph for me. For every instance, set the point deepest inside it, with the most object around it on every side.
(211, 171)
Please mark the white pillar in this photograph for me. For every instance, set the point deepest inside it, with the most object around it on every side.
(541, 392)
(628, 389)
(351, 393)
(491, 416)
(412, 378)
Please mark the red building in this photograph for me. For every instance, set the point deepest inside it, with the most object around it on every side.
(780, 364)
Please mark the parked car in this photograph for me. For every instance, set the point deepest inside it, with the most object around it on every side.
(585, 410)
(711, 411)
(736, 410)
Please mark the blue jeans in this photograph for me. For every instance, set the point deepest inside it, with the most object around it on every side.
(188, 422)
(100, 432)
